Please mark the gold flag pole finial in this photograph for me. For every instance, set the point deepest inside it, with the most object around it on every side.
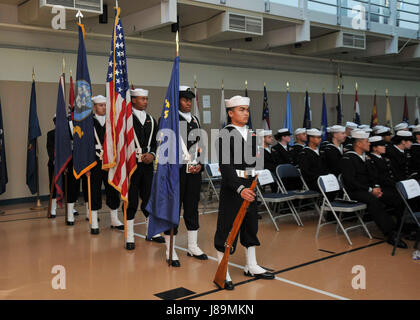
(71, 73)
(323, 90)
(33, 74)
(195, 81)
(265, 84)
(338, 89)
(386, 92)
(288, 85)
(357, 86)
(177, 43)
(246, 84)
(223, 83)
(64, 66)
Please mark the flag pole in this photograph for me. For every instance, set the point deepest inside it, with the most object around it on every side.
(171, 242)
(38, 206)
(89, 198)
(63, 70)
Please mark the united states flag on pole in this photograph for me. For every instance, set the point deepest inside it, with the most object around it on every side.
(119, 150)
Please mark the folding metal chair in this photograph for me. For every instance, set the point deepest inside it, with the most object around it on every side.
(285, 171)
(265, 177)
(408, 189)
(213, 178)
(327, 184)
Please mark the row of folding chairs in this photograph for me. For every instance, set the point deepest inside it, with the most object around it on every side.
(341, 208)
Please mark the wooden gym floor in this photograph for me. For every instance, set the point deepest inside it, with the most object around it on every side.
(98, 267)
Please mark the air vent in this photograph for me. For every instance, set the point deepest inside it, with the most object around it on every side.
(247, 24)
(84, 5)
(356, 41)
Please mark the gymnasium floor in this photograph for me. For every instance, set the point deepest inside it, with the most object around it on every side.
(98, 267)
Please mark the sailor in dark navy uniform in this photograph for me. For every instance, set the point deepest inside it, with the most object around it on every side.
(270, 162)
(333, 151)
(99, 176)
(385, 133)
(282, 148)
(364, 187)
(51, 157)
(398, 154)
(145, 130)
(237, 152)
(190, 177)
(300, 142)
(311, 161)
(403, 126)
(415, 153)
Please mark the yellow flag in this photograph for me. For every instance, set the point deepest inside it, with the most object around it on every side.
(388, 117)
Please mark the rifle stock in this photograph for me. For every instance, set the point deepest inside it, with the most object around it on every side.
(220, 277)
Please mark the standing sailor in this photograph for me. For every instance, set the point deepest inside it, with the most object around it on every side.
(145, 130)
(237, 149)
(190, 178)
(73, 184)
(99, 176)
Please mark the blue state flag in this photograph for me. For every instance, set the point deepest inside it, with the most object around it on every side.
(288, 123)
(34, 131)
(324, 124)
(3, 167)
(83, 132)
(163, 205)
(62, 143)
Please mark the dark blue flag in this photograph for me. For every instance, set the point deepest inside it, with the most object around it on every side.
(34, 131)
(249, 124)
(3, 167)
(324, 124)
(266, 112)
(62, 144)
(339, 109)
(164, 200)
(83, 132)
(307, 117)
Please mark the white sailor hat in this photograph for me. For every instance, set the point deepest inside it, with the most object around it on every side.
(299, 131)
(385, 131)
(376, 141)
(337, 128)
(328, 129)
(368, 130)
(364, 126)
(313, 132)
(98, 99)
(55, 116)
(186, 92)
(264, 133)
(139, 93)
(359, 134)
(351, 125)
(403, 133)
(378, 127)
(416, 129)
(237, 101)
(401, 126)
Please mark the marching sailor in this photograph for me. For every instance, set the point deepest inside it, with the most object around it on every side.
(145, 130)
(237, 151)
(99, 176)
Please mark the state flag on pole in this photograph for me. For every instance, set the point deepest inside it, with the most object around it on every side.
(3, 167)
(308, 114)
(223, 115)
(83, 132)
(266, 112)
(164, 200)
(339, 109)
(417, 112)
(356, 109)
(34, 131)
(388, 116)
(62, 144)
(405, 114)
(119, 149)
(71, 98)
(374, 119)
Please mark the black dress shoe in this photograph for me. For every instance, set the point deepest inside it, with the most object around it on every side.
(94, 231)
(401, 244)
(52, 217)
(228, 285)
(159, 239)
(130, 246)
(266, 275)
(121, 227)
(175, 263)
(200, 257)
(76, 213)
(70, 223)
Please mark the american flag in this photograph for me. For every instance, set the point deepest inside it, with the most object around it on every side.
(119, 150)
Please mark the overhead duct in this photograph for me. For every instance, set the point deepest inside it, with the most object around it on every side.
(334, 42)
(225, 26)
(38, 12)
